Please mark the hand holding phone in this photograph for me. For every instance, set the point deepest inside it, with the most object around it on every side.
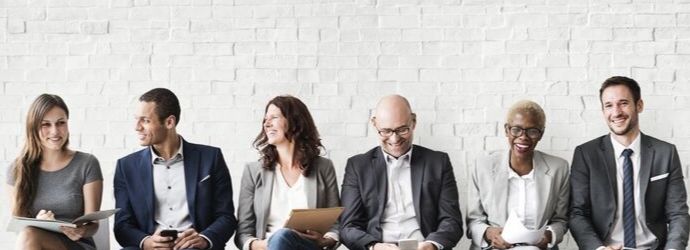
(169, 233)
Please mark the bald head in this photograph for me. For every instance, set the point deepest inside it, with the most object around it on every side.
(395, 123)
(393, 107)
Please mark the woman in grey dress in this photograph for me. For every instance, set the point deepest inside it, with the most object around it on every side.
(50, 181)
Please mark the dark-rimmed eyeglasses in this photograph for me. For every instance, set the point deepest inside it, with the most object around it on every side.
(389, 132)
(533, 133)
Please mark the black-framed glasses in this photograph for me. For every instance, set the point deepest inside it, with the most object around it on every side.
(389, 132)
(533, 133)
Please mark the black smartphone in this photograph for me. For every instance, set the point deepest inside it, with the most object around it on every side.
(169, 233)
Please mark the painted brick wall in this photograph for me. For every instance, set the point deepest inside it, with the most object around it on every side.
(461, 63)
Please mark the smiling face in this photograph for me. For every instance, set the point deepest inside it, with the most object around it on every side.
(524, 144)
(393, 113)
(275, 126)
(53, 130)
(620, 110)
(150, 130)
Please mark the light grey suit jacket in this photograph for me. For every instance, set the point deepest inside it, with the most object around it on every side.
(488, 194)
(594, 193)
(255, 197)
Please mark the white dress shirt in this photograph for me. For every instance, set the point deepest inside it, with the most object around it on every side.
(172, 211)
(523, 198)
(643, 236)
(399, 219)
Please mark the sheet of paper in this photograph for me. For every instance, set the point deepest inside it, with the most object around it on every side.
(515, 232)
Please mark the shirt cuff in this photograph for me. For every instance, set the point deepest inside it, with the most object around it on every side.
(210, 243)
(438, 246)
(248, 243)
(332, 235)
(553, 237)
(485, 242)
(141, 243)
(601, 248)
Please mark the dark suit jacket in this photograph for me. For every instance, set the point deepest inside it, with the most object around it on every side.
(594, 193)
(209, 195)
(435, 195)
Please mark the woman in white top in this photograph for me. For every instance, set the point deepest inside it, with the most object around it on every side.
(523, 183)
(289, 175)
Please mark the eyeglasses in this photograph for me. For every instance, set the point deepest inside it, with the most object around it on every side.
(532, 133)
(399, 131)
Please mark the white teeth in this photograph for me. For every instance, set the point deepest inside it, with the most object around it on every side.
(522, 146)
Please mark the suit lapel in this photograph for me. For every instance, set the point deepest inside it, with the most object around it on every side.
(146, 174)
(311, 185)
(265, 194)
(417, 165)
(192, 165)
(379, 165)
(500, 172)
(646, 159)
(543, 180)
(608, 155)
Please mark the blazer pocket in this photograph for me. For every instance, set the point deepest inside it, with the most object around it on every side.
(658, 177)
(205, 179)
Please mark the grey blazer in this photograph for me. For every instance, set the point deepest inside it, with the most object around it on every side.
(255, 197)
(487, 203)
(594, 193)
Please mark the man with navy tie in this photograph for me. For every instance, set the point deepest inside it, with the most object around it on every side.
(627, 189)
(171, 185)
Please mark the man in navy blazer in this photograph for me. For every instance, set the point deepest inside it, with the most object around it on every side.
(627, 188)
(171, 185)
(399, 191)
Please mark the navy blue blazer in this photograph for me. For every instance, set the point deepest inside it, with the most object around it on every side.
(210, 201)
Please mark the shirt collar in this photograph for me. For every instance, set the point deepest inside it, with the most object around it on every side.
(512, 174)
(405, 157)
(155, 156)
(618, 148)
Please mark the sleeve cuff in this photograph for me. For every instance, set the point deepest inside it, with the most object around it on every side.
(438, 246)
(553, 237)
(141, 243)
(210, 243)
(247, 243)
(332, 235)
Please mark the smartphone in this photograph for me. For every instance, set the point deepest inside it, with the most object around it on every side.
(169, 233)
(407, 244)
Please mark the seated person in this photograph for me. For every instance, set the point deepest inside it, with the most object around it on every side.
(521, 181)
(289, 175)
(50, 181)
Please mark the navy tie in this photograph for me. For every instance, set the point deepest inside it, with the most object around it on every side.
(628, 201)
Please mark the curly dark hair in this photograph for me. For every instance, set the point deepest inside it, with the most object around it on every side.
(300, 129)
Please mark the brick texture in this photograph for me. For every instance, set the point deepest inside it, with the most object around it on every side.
(461, 64)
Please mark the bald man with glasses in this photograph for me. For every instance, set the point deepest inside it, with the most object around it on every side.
(399, 191)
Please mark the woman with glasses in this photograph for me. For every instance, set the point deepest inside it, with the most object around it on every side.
(50, 181)
(521, 183)
(289, 175)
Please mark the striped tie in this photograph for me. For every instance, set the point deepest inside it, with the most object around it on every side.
(628, 201)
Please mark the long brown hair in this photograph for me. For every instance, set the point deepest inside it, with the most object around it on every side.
(300, 129)
(27, 164)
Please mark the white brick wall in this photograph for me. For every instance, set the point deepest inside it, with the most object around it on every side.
(461, 63)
